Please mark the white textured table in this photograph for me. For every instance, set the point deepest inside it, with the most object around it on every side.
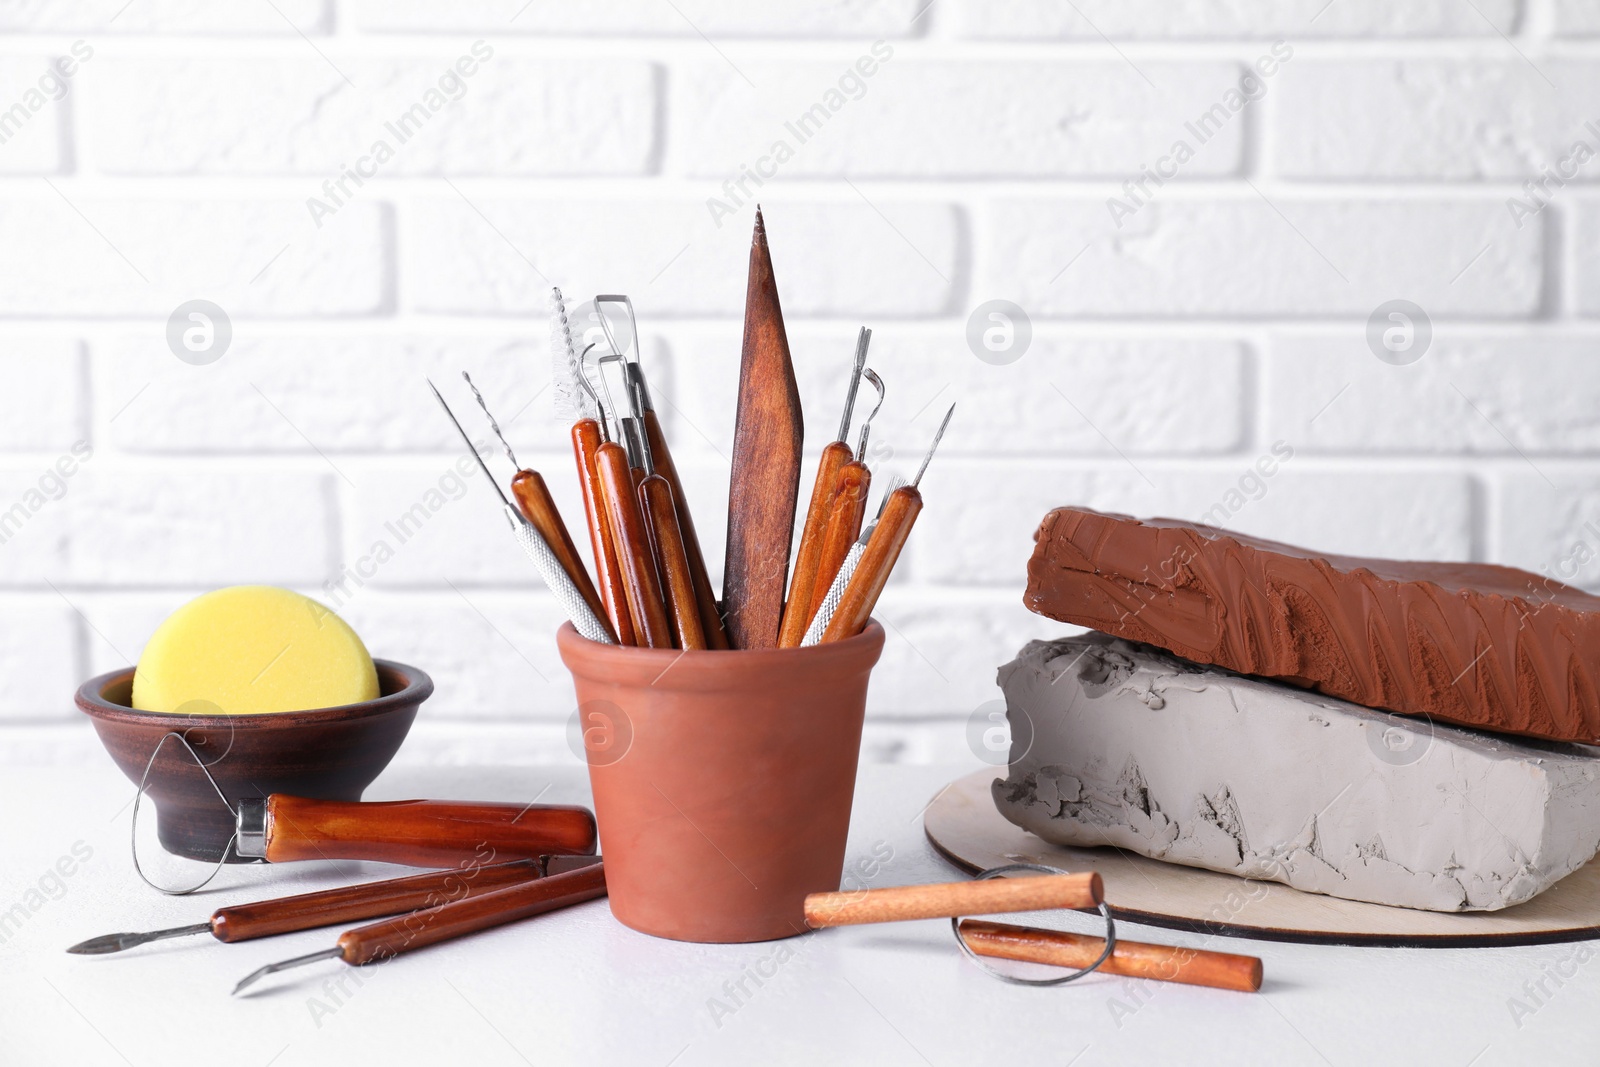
(576, 987)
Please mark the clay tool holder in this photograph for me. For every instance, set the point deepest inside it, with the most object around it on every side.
(1131, 959)
(631, 534)
(418, 929)
(655, 444)
(797, 608)
(769, 431)
(859, 595)
(536, 504)
(538, 550)
(328, 907)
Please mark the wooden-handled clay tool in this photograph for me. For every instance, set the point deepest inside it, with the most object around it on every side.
(538, 550)
(797, 608)
(948, 900)
(419, 833)
(533, 499)
(851, 486)
(860, 594)
(577, 399)
(328, 907)
(825, 608)
(381, 941)
(1130, 959)
(767, 437)
(630, 534)
(716, 636)
(661, 513)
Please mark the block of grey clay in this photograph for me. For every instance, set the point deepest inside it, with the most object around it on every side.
(1127, 745)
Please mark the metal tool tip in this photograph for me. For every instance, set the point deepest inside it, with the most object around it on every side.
(98, 946)
(251, 979)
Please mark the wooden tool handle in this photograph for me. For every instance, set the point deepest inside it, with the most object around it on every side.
(539, 508)
(422, 928)
(632, 539)
(327, 907)
(947, 900)
(843, 527)
(661, 515)
(798, 608)
(704, 596)
(861, 595)
(608, 572)
(422, 833)
(1130, 959)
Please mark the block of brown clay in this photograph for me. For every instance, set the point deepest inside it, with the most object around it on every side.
(1128, 746)
(1469, 643)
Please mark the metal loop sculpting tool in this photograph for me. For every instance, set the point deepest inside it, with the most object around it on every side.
(866, 426)
(538, 550)
(1105, 911)
(133, 830)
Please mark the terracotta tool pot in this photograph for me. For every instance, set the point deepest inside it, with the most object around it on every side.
(327, 754)
(722, 780)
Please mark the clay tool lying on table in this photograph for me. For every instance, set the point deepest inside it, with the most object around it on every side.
(948, 900)
(576, 400)
(835, 455)
(631, 536)
(655, 444)
(419, 833)
(583, 617)
(381, 941)
(327, 907)
(539, 508)
(1129, 959)
(860, 581)
(768, 433)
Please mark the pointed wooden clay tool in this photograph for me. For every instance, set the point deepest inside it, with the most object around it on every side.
(767, 437)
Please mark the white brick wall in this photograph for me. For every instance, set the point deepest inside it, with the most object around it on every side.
(970, 151)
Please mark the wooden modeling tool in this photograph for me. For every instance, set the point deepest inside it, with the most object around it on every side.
(533, 543)
(900, 512)
(328, 907)
(949, 900)
(418, 833)
(1129, 959)
(381, 941)
(768, 433)
(716, 635)
(539, 508)
(797, 608)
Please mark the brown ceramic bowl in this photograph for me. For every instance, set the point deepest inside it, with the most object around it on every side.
(722, 780)
(326, 754)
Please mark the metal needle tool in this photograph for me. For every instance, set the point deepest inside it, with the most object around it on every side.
(327, 907)
(538, 506)
(538, 550)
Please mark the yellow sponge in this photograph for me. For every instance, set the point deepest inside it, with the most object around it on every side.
(250, 649)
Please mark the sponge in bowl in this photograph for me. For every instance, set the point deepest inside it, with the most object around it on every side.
(250, 649)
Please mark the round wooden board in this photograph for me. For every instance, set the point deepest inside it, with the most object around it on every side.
(963, 824)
